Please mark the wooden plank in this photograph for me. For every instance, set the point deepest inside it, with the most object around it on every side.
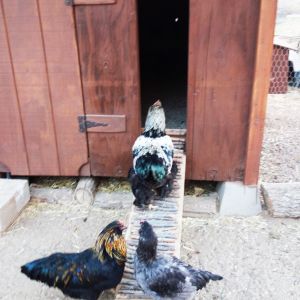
(58, 28)
(13, 157)
(166, 220)
(107, 41)
(24, 32)
(222, 43)
(260, 89)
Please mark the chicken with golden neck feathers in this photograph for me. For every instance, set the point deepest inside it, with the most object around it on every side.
(87, 274)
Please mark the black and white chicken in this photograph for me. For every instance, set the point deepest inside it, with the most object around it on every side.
(165, 277)
(153, 166)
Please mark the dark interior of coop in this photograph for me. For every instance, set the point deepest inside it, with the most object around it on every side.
(163, 51)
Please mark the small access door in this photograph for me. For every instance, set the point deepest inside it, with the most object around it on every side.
(108, 54)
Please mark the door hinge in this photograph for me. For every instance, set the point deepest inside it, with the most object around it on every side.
(88, 2)
(69, 2)
(102, 123)
(84, 124)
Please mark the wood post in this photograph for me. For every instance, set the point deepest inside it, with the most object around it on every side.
(260, 89)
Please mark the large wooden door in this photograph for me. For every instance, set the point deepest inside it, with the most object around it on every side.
(108, 53)
(223, 58)
(40, 90)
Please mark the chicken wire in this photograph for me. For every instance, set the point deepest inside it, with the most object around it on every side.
(283, 74)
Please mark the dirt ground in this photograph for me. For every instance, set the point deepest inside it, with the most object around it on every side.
(280, 161)
(44, 227)
(258, 256)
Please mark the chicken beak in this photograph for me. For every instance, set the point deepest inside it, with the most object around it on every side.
(123, 227)
(157, 103)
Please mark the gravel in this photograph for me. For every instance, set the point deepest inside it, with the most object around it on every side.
(257, 256)
(280, 160)
(53, 223)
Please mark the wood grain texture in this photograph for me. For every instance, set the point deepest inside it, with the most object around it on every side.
(27, 51)
(59, 36)
(12, 146)
(261, 83)
(222, 43)
(108, 50)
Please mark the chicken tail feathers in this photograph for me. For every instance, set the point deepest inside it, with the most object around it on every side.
(45, 269)
(35, 270)
(215, 277)
(203, 277)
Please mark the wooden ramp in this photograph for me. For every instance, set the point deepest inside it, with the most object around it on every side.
(166, 220)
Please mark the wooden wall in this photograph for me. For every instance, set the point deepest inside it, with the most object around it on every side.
(41, 94)
(230, 46)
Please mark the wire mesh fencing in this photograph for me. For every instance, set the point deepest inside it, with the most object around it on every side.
(283, 73)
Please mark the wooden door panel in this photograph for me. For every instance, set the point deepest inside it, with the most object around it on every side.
(28, 60)
(57, 22)
(222, 43)
(13, 157)
(107, 41)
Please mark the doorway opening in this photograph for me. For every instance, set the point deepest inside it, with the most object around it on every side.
(163, 45)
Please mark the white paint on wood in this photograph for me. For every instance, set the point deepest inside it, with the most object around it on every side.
(14, 195)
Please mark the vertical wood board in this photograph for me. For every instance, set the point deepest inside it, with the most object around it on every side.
(12, 146)
(26, 44)
(261, 83)
(61, 53)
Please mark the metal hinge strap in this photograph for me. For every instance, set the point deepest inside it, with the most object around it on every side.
(84, 124)
(69, 2)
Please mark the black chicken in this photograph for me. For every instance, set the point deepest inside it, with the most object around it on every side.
(86, 274)
(165, 277)
(153, 167)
